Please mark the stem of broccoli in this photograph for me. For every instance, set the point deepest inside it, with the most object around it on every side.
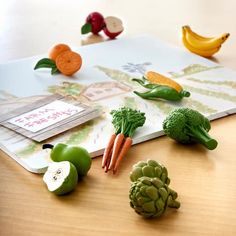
(200, 135)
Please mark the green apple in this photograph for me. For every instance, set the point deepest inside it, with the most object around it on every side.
(74, 154)
(61, 177)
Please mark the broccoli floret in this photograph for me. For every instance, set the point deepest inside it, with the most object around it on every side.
(186, 125)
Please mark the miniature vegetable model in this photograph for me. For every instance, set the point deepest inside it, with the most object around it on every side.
(151, 169)
(78, 156)
(150, 197)
(186, 125)
(160, 87)
(61, 177)
(156, 78)
(125, 122)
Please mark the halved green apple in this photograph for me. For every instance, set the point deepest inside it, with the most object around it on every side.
(61, 177)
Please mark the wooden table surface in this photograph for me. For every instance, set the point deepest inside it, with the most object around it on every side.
(205, 180)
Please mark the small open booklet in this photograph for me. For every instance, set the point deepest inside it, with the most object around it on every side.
(47, 117)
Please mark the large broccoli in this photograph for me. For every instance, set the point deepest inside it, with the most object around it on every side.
(186, 125)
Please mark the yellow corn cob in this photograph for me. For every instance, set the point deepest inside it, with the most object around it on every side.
(156, 78)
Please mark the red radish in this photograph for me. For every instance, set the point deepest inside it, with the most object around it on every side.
(113, 27)
(94, 23)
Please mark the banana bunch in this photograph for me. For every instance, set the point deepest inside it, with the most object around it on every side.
(200, 45)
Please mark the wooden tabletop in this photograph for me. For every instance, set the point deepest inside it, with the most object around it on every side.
(205, 180)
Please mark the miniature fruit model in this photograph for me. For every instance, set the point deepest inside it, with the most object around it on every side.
(74, 154)
(61, 60)
(61, 177)
(58, 49)
(200, 45)
(68, 62)
(94, 23)
(113, 27)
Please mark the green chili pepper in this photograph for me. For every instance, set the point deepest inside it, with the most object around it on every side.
(145, 83)
(160, 91)
(163, 92)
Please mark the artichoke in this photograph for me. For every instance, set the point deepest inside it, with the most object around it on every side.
(150, 169)
(150, 197)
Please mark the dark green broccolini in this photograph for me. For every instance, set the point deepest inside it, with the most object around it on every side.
(157, 91)
(186, 125)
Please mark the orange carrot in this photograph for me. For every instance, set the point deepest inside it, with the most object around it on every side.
(107, 150)
(116, 148)
(108, 162)
(126, 146)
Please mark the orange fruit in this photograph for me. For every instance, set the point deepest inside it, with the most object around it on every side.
(57, 50)
(68, 62)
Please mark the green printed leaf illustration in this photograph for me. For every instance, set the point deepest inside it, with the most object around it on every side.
(130, 102)
(28, 150)
(118, 75)
(192, 69)
(164, 107)
(210, 93)
(67, 89)
(194, 104)
(228, 83)
(80, 134)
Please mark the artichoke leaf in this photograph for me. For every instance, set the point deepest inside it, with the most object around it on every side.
(160, 205)
(158, 171)
(157, 182)
(149, 207)
(148, 171)
(152, 192)
(144, 180)
(163, 193)
(136, 173)
(152, 163)
(142, 200)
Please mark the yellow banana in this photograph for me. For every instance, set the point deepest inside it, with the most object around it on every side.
(200, 37)
(203, 53)
(200, 44)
